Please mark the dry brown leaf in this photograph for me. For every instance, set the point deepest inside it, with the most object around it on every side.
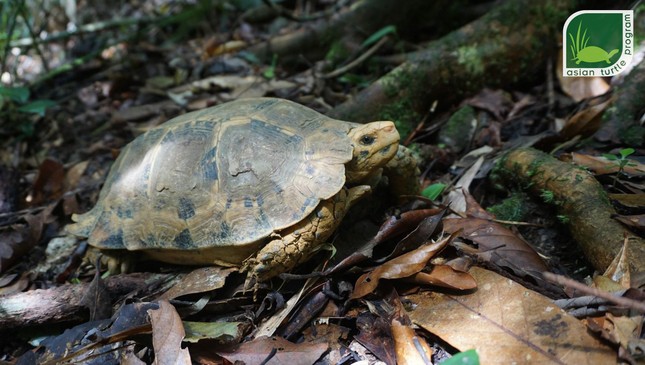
(403, 266)
(497, 102)
(21, 238)
(49, 183)
(167, 334)
(259, 351)
(199, 281)
(408, 346)
(586, 121)
(507, 323)
(634, 221)
(445, 277)
(497, 244)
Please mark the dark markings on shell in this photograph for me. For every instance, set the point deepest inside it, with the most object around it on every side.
(115, 240)
(229, 203)
(209, 166)
(248, 203)
(310, 170)
(258, 125)
(168, 138)
(259, 200)
(186, 209)
(155, 134)
(309, 201)
(183, 239)
(124, 213)
(225, 230)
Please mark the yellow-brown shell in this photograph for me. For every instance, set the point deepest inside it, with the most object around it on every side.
(225, 176)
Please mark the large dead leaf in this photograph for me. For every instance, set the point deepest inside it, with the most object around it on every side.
(507, 323)
(275, 351)
(167, 335)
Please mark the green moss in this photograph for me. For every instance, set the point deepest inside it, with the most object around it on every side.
(459, 129)
(402, 114)
(513, 208)
(469, 57)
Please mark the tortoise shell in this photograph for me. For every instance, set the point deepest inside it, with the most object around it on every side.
(222, 177)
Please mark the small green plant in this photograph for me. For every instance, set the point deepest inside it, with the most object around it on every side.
(621, 159)
(16, 100)
(269, 73)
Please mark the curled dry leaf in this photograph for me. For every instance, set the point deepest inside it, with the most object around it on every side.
(497, 244)
(634, 221)
(21, 238)
(445, 277)
(167, 335)
(410, 348)
(403, 266)
(587, 121)
(200, 280)
(394, 226)
(601, 165)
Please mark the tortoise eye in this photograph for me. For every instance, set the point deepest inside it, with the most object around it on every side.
(367, 140)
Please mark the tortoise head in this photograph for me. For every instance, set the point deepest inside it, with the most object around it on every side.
(374, 145)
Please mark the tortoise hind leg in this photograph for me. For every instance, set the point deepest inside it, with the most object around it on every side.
(300, 242)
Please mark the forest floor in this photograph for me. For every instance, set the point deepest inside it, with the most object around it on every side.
(523, 244)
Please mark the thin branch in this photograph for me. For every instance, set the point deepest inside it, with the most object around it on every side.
(622, 301)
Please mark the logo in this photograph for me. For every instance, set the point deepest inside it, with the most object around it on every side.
(597, 43)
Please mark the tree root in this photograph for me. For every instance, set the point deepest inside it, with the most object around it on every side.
(509, 44)
(621, 123)
(582, 202)
(363, 19)
(68, 303)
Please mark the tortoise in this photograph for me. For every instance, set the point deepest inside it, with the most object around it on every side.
(261, 183)
(593, 54)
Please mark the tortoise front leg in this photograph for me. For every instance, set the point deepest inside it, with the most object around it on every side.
(403, 173)
(300, 242)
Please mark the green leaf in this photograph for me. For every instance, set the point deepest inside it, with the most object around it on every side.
(433, 191)
(468, 357)
(37, 107)
(390, 29)
(17, 94)
(609, 156)
(626, 152)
